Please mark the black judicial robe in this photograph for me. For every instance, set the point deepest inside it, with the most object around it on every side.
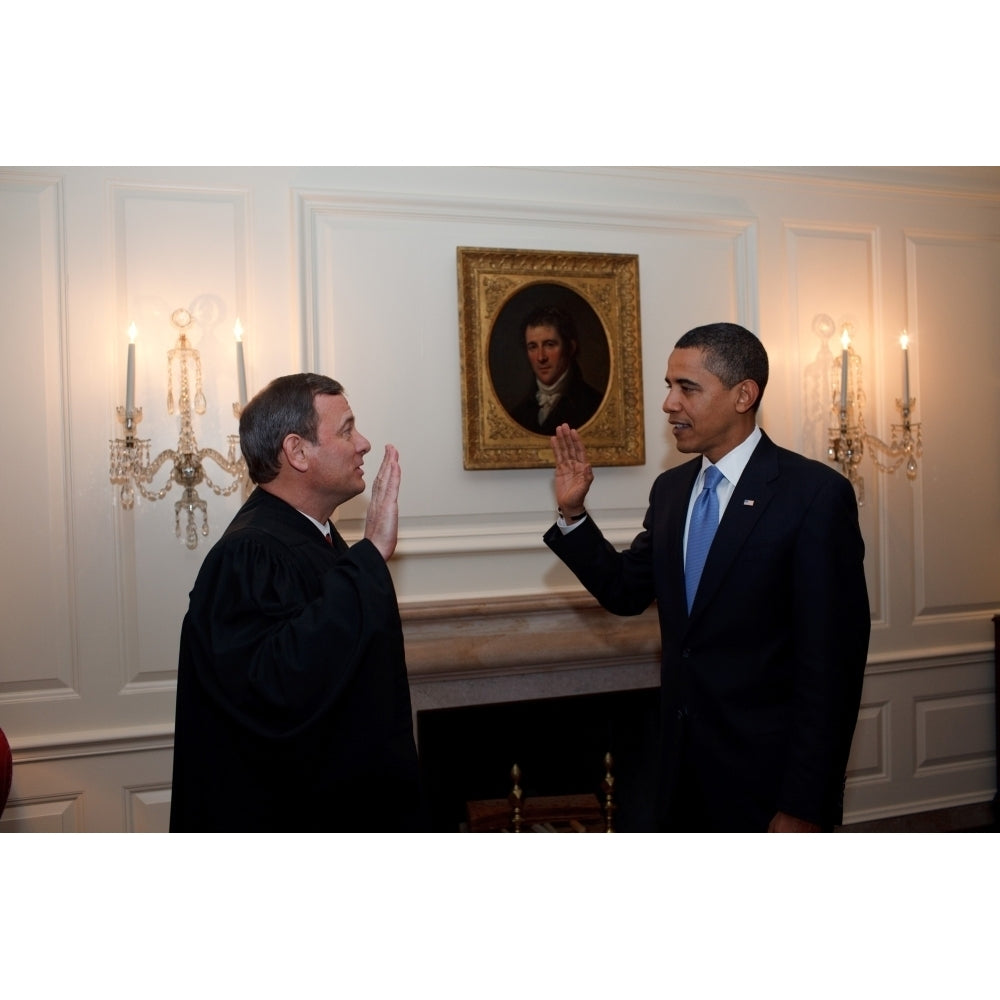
(293, 705)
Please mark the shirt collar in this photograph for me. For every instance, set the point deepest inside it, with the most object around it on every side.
(732, 464)
(323, 526)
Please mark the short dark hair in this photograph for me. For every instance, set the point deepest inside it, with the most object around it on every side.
(732, 353)
(553, 316)
(285, 406)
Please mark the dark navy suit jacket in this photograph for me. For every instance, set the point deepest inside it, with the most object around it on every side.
(761, 682)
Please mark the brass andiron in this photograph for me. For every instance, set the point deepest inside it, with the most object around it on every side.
(578, 812)
(608, 787)
(516, 799)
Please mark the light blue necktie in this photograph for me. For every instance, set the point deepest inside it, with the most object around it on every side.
(701, 531)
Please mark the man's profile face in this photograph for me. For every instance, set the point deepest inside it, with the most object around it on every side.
(548, 353)
(337, 457)
(705, 417)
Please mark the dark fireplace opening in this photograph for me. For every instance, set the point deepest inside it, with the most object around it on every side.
(559, 744)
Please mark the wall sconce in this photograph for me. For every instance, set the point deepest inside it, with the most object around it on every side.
(848, 436)
(131, 466)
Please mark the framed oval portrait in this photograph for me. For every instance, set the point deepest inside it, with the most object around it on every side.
(549, 337)
(548, 358)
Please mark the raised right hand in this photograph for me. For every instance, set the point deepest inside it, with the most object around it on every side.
(382, 522)
(573, 472)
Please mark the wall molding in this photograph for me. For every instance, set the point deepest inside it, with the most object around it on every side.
(57, 672)
(97, 743)
(315, 210)
(468, 639)
(934, 547)
(129, 282)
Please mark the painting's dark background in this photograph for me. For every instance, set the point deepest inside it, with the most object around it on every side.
(508, 362)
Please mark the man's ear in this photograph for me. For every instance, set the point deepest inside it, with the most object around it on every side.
(293, 448)
(747, 395)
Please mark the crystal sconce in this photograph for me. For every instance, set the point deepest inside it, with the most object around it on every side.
(848, 436)
(131, 466)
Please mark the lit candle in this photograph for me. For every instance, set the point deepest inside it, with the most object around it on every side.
(845, 341)
(241, 372)
(904, 342)
(130, 373)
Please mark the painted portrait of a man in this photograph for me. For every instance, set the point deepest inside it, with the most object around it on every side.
(549, 358)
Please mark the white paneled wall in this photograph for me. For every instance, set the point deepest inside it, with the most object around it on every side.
(352, 272)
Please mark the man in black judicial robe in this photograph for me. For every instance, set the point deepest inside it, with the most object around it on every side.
(293, 705)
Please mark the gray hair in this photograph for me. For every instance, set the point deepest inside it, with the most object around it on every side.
(285, 406)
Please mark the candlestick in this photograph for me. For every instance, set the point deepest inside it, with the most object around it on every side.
(904, 342)
(132, 467)
(849, 440)
(241, 373)
(845, 341)
(130, 374)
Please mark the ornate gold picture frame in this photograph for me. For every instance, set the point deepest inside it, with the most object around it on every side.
(499, 290)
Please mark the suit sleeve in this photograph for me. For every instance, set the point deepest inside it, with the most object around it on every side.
(622, 582)
(832, 623)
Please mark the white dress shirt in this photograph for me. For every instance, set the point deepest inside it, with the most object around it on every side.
(324, 526)
(731, 465)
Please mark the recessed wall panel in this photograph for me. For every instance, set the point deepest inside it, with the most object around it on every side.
(147, 810)
(36, 640)
(56, 815)
(177, 249)
(833, 283)
(954, 306)
(953, 731)
(396, 349)
(869, 758)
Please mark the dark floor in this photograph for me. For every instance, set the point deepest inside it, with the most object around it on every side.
(979, 817)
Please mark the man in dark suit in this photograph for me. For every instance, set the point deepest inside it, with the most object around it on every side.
(293, 706)
(761, 673)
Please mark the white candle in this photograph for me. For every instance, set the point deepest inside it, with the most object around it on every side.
(130, 373)
(904, 342)
(241, 372)
(845, 341)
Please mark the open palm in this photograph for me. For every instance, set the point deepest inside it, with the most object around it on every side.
(573, 472)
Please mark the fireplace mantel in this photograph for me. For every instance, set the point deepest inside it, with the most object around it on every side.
(516, 648)
(459, 639)
(537, 652)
